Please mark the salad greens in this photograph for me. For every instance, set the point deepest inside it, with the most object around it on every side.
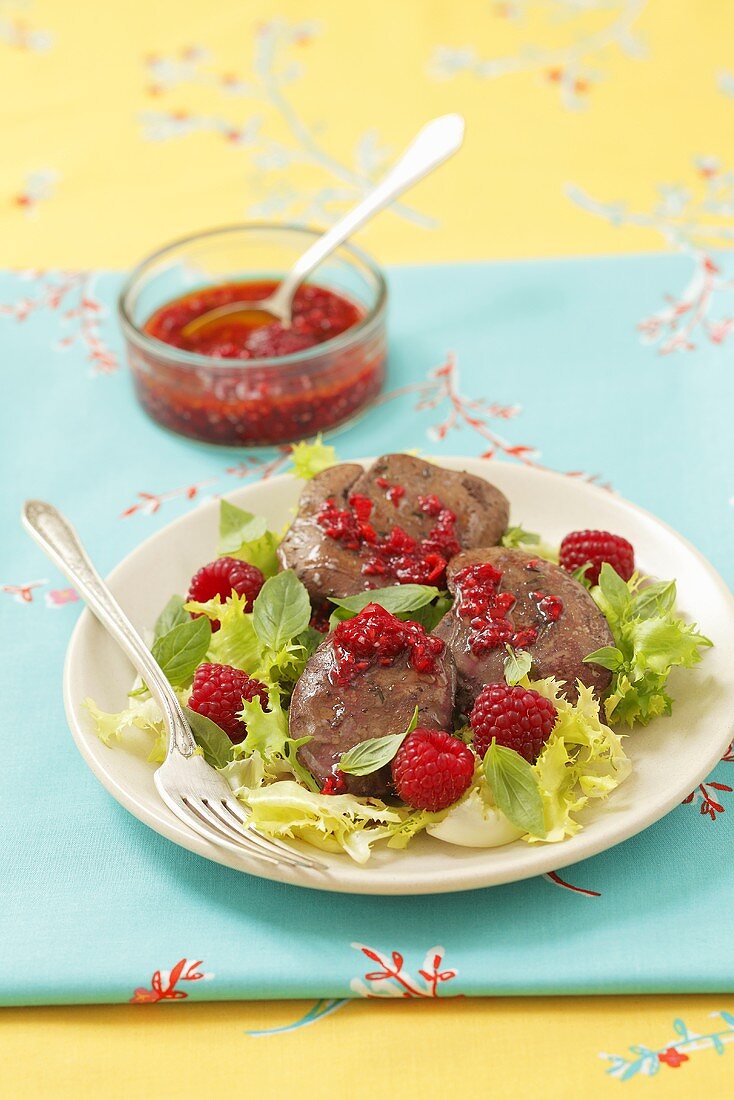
(245, 536)
(583, 759)
(310, 459)
(512, 782)
(650, 639)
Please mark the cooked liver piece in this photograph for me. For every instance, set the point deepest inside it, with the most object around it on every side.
(561, 646)
(327, 568)
(378, 702)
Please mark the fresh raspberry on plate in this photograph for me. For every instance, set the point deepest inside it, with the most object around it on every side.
(223, 577)
(596, 547)
(519, 718)
(432, 769)
(218, 693)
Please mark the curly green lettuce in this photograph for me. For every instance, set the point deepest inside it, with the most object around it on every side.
(650, 639)
(310, 459)
(582, 760)
(331, 822)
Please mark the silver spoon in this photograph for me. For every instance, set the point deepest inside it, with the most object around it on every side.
(435, 143)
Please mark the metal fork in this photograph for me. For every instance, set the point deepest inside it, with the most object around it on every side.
(196, 793)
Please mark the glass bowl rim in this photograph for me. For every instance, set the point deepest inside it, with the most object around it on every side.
(161, 350)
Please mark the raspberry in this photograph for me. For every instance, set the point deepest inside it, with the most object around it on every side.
(596, 547)
(218, 693)
(519, 718)
(432, 769)
(223, 577)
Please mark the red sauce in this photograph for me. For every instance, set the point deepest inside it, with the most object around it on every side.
(375, 637)
(394, 493)
(318, 315)
(397, 558)
(230, 404)
(488, 610)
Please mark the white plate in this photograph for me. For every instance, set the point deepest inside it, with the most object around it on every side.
(670, 757)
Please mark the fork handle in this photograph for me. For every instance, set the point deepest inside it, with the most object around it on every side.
(55, 535)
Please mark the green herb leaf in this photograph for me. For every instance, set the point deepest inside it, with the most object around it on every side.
(430, 616)
(261, 553)
(171, 615)
(281, 611)
(608, 657)
(613, 589)
(655, 599)
(369, 756)
(580, 574)
(397, 598)
(212, 740)
(181, 650)
(518, 536)
(237, 527)
(517, 665)
(310, 459)
(515, 788)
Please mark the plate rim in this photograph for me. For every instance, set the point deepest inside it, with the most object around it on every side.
(544, 858)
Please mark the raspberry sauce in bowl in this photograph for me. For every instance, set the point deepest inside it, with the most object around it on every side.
(238, 384)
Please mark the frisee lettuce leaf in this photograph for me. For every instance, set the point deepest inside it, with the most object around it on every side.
(310, 459)
(650, 639)
(267, 737)
(139, 728)
(583, 759)
(331, 822)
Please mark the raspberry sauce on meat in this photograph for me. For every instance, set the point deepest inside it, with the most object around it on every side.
(375, 637)
(398, 558)
(489, 611)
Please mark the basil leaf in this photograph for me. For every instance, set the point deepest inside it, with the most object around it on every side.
(430, 616)
(515, 788)
(518, 536)
(281, 611)
(608, 657)
(171, 615)
(212, 740)
(656, 599)
(580, 574)
(310, 639)
(396, 599)
(369, 756)
(237, 526)
(614, 589)
(517, 665)
(181, 650)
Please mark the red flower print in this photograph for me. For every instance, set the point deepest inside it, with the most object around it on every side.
(673, 1057)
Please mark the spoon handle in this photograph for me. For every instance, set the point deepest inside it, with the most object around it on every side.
(59, 540)
(435, 143)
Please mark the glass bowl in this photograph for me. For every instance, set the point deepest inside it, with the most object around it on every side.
(254, 402)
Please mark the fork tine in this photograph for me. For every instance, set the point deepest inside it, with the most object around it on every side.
(233, 809)
(266, 844)
(193, 816)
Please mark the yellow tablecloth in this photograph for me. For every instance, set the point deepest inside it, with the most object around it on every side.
(594, 126)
